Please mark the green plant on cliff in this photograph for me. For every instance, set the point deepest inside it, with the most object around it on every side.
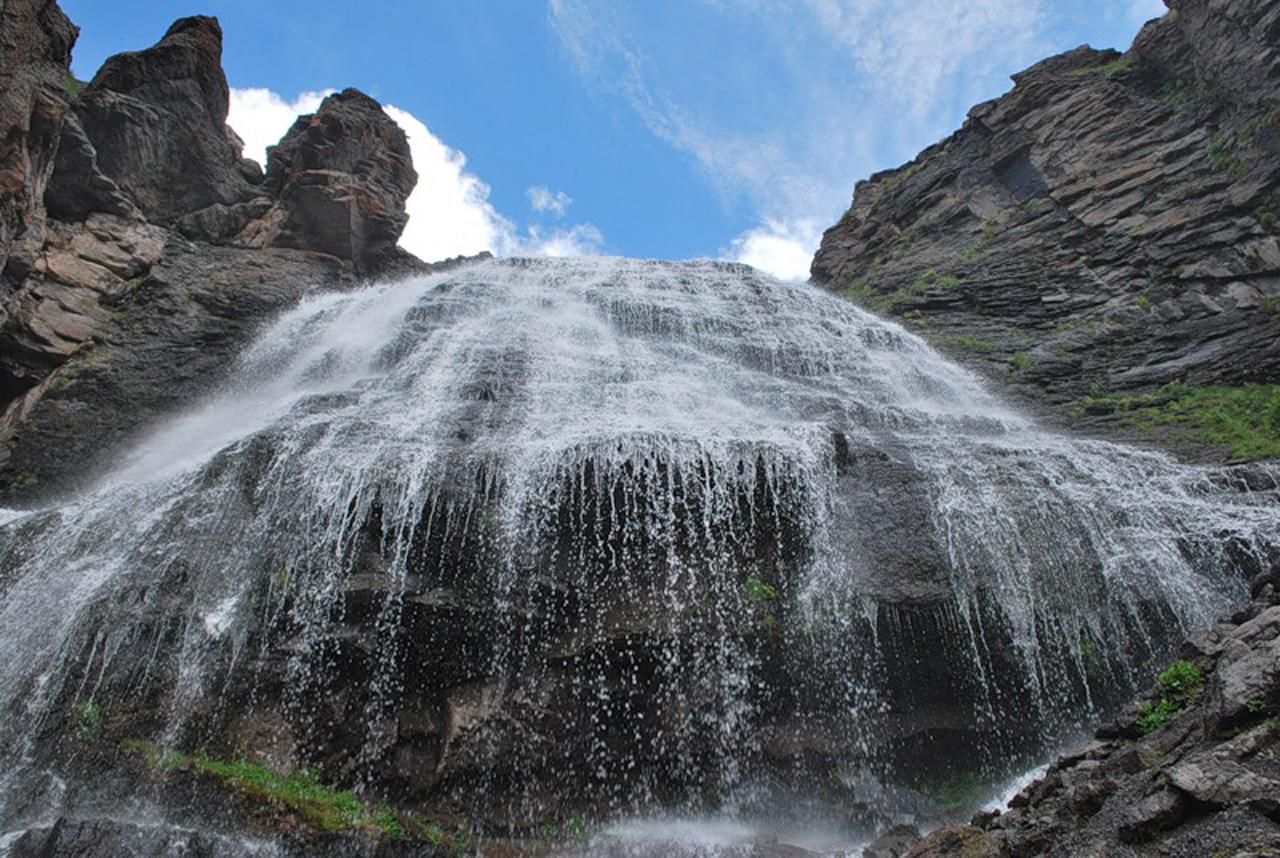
(1223, 158)
(972, 343)
(299, 792)
(88, 715)
(1178, 684)
(1245, 419)
(1122, 65)
(71, 87)
(761, 595)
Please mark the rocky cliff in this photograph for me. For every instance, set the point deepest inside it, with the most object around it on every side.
(1103, 230)
(139, 248)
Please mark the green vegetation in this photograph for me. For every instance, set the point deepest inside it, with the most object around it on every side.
(22, 482)
(1090, 655)
(972, 254)
(1223, 158)
(932, 278)
(1036, 203)
(972, 343)
(1244, 419)
(1179, 684)
(959, 793)
(1115, 68)
(71, 87)
(300, 792)
(88, 716)
(988, 230)
(761, 595)
(1270, 305)
(457, 844)
(1144, 301)
(1020, 361)
(758, 591)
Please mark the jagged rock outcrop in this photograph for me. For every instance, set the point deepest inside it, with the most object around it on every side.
(35, 54)
(1202, 779)
(341, 176)
(140, 250)
(1108, 226)
(157, 121)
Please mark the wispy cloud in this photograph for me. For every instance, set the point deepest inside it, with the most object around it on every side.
(450, 212)
(543, 199)
(799, 100)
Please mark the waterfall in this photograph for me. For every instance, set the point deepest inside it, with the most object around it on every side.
(608, 537)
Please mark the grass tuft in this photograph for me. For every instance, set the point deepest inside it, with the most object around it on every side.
(1245, 419)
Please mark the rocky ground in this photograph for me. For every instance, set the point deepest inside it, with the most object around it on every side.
(1107, 227)
(139, 250)
(1192, 770)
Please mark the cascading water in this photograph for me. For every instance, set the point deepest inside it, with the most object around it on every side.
(539, 538)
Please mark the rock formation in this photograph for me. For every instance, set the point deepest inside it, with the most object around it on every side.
(1201, 778)
(139, 247)
(1110, 225)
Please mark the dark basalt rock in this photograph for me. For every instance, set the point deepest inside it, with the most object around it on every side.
(341, 176)
(35, 53)
(1204, 782)
(157, 120)
(1109, 225)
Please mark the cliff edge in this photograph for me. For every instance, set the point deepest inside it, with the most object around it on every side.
(1104, 239)
(139, 249)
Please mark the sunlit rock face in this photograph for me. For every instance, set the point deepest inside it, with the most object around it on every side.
(532, 538)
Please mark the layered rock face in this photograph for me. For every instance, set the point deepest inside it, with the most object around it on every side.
(139, 247)
(1108, 226)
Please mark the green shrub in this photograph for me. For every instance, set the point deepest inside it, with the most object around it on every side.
(1179, 684)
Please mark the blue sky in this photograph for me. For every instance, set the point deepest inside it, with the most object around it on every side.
(662, 128)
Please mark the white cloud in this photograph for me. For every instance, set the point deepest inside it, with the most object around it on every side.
(543, 199)
(449, 210)
(261, 117)
(450, 213)
(831, 91)
(781, 249)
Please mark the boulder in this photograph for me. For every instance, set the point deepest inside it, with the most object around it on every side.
(893, 843)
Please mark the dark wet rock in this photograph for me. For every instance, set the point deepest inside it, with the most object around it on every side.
(341, 176)
(1200, 784)
(1159, 811)
(1109, 225)
(893, 843)
(110, 838)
